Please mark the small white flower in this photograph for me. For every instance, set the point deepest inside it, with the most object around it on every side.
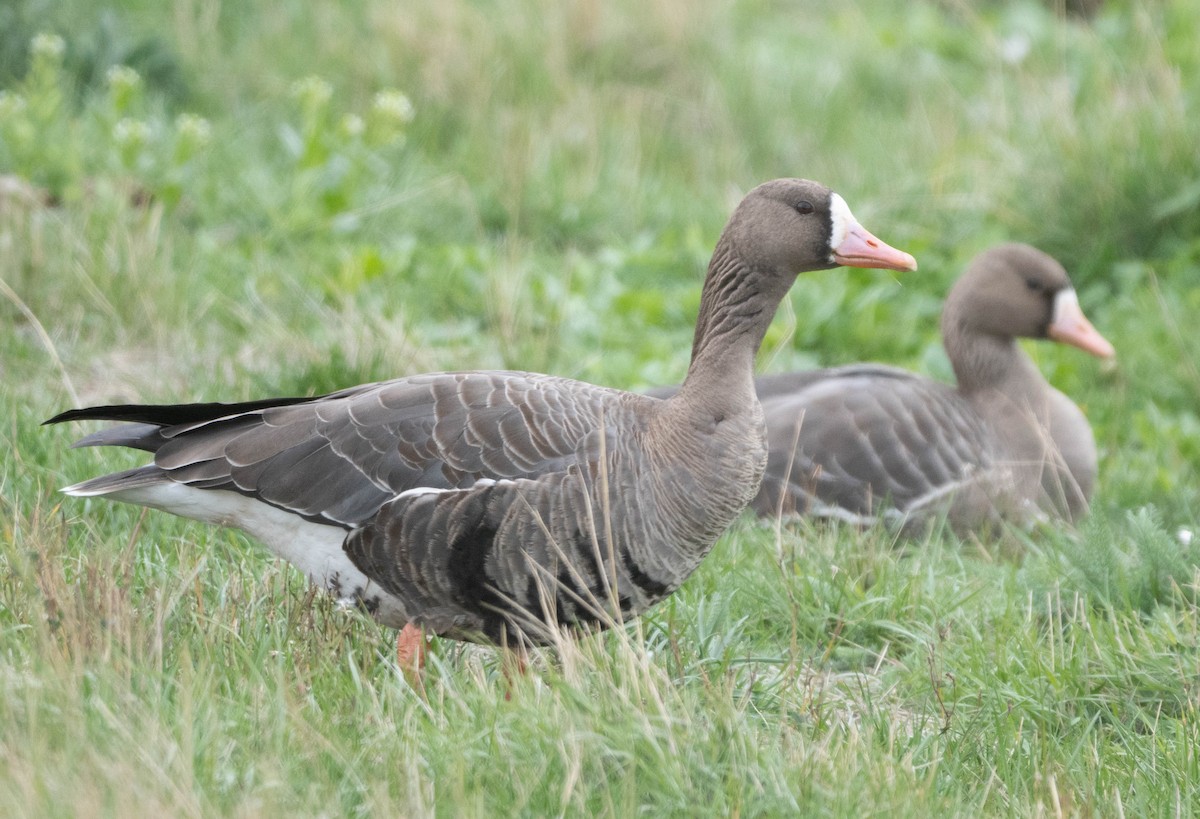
(131, 133)
(124, 85)
(195, 129)
(11, 104)
(48, 45)
(1185, 536)
(394, 105)
(352, 125)
(1015, 48)
(122, 77)
(312, 90)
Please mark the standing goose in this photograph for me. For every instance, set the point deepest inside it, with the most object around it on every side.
(492, 506)
(865, 442)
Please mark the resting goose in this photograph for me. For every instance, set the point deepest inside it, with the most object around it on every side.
(865, 442)
(492, 506)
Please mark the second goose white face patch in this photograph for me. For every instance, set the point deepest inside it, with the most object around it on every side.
(1065, 302)
(1069, 325)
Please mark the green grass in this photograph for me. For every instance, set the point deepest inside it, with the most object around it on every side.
(218, 227)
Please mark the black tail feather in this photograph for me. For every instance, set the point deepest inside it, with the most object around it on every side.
(165, 415)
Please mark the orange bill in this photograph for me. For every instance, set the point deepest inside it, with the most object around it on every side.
(860, 248)
(853, 245)
(1070, 326)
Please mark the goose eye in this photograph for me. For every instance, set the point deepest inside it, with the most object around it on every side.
(804, 207)
(1033, 285)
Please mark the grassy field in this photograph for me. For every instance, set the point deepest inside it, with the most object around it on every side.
(291, 196)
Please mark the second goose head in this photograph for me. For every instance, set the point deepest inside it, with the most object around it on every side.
(1011, 291)
(1017, 291)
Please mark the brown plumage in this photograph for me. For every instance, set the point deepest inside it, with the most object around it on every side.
(495, 505)
(866, 442)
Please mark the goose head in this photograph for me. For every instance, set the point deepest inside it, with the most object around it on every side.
(789, 226)
(780, 229)
(1017, 291)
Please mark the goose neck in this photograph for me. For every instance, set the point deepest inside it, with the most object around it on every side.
(983, 361)
(736, 308)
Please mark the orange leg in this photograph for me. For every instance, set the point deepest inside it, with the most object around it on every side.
(410, 651)
(514, 663)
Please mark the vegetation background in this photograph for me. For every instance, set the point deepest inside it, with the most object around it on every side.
(206, 200)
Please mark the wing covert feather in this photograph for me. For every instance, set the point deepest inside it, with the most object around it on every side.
(868, 437)
(339, 458)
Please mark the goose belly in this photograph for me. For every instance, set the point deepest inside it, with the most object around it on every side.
(313, 548)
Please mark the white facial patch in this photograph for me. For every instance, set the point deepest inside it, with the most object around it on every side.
(840, 220)
(1065, 300)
